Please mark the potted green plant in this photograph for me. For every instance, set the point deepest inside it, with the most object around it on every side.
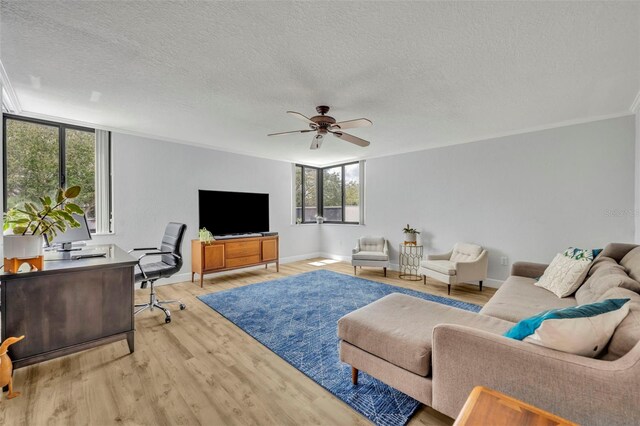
(410, 234)
(205, 235)
(25, 225)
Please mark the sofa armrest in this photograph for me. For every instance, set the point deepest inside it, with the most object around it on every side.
(528, 269)
(443, 256)
(475, 270)
(584, 390)
(357, 248)
(385, 249)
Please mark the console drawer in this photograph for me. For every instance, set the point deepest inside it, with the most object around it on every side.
(242, 249)
(245, 260)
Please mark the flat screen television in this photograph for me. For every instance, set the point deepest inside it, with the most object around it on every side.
(224, 213)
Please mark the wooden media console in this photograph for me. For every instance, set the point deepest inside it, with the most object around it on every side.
(234, 253)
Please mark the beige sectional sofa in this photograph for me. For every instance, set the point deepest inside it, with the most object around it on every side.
(437, 354)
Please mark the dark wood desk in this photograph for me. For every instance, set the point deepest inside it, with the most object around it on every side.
(69, 306)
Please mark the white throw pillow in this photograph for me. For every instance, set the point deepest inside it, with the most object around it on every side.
(564, 275)
(582, 330)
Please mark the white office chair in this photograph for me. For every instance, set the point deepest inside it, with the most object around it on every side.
(371, 251)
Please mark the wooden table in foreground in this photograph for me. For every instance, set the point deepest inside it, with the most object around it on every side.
(489, 407)
(69, 305)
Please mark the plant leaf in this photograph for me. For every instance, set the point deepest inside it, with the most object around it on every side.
(72, 192)
(60, 196)
(73, 208)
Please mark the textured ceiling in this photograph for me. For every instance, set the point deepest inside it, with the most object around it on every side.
(223, 74)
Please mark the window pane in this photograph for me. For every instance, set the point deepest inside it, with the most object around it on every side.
(352, 193)
(310, 194)
(80, 151)
(332, 194)
(298, 189)
(32, 161)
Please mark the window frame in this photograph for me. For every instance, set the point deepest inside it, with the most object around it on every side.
(62, 159)
(320, 190)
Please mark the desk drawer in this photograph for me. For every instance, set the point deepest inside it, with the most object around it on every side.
(242, 249)
(241, 261)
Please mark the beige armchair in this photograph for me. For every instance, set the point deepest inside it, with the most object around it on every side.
(466, 262)
(371, 251)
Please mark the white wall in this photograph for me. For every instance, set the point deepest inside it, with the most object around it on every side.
(155, 182)
(526, 196)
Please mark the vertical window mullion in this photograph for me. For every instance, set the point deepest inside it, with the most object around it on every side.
(4, 163)
(343, 194)
(62, 163)
(320, 191)
(302, 193)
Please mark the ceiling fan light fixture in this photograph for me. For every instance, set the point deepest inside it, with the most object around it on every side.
(323, 124)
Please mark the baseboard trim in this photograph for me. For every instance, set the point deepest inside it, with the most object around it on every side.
(180, 278)
(186, 276)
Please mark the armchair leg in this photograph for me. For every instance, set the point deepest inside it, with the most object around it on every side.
(355, 270)
(354, 375)
(424, 279)
(449, 289)
(385, 271)
(480, 285)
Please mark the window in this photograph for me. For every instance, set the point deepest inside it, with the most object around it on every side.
(41, 156)
(331, 192)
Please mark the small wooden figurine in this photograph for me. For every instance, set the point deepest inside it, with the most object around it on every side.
(6, 367)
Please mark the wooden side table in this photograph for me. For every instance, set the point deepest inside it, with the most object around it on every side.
(489, 407)
(409, 259)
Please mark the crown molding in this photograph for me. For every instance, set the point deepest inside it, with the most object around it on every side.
(635, 106)
(9, 97)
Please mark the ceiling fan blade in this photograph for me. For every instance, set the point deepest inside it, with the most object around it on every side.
(288, 133)
(316, 142)
(350, 138)
(301, 117)
(351, 124)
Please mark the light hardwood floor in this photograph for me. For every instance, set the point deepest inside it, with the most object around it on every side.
(200, 369)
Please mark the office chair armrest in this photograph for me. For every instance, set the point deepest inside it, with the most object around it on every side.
(142, 248)
(157, 253)
(154, 253)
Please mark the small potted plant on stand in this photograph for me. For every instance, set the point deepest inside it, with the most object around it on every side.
(319, 219)
(410, 235)
(25, 226)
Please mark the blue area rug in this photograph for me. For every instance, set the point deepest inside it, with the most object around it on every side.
(296, 317)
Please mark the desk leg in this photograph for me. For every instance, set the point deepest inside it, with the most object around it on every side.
(277, 266)
(130, 341)
(192, 274)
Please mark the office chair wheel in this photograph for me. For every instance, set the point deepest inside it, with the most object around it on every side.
(167, 320)
(183, 306)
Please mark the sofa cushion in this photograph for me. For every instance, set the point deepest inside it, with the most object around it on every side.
(519, 298)
(582, 330)
(631, 262)
(627, 334)
(398, 328)
(603, 262)
(607, 275)
(369, 255)
(464, 252)
(564, 275)
(443, 266)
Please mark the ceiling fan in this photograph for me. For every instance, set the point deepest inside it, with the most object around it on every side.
(323, 124)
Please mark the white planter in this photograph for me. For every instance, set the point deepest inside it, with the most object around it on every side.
(22, 246)
(410, 238)
(319, 220)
